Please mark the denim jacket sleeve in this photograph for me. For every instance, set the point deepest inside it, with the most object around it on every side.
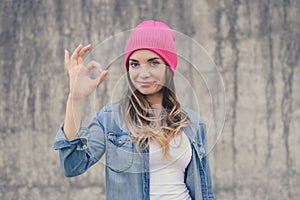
(198, 176)
(80, 153)
(206, 167)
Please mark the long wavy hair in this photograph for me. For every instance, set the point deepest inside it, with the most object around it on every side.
(147, 126)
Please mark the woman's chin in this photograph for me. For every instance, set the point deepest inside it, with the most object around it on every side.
(149, 91)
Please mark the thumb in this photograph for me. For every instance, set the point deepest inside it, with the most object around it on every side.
(100, 79)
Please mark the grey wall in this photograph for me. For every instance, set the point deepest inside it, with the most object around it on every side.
(255, 45)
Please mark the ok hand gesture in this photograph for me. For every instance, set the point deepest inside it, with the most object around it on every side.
(81, 84)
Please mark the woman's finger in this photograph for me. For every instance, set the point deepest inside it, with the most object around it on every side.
(67, 59)
(83, 52)
(75, 54)
(100, 79)
(93, 64)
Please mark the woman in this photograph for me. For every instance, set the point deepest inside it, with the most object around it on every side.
(155, 149)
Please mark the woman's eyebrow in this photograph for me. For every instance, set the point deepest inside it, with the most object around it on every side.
(149, 60)
(133, 60)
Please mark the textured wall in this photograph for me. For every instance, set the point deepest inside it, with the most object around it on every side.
(254, 43)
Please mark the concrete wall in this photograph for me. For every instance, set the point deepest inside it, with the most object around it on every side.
(255, 45)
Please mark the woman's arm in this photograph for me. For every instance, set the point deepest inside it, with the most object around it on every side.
(73, 117)
(80, 153)
(79, 148)
(81, 86)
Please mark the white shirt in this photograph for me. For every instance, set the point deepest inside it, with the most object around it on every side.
(167, 176)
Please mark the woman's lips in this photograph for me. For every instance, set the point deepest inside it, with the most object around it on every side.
(145, 84)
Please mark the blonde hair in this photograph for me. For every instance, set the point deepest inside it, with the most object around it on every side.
(142, 122)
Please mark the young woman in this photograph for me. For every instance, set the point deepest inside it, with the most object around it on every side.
(155, 149)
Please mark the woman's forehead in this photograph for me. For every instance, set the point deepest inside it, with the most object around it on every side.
(144, 55)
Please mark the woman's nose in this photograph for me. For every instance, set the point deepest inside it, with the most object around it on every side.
(144, 71)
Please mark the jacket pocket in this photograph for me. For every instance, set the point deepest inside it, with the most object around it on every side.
(119, 152)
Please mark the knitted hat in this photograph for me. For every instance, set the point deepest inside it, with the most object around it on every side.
(155, 36)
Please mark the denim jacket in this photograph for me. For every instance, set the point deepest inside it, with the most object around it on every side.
(127, 172)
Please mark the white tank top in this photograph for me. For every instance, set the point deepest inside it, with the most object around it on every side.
(167, 176)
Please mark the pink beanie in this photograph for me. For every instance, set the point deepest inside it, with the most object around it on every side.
(155, 36)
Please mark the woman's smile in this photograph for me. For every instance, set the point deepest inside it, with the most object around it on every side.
(146, 83)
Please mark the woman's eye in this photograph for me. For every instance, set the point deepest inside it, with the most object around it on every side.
(154, 64)
(134, 65)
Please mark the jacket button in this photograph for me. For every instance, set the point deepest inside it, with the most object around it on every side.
(193, 141)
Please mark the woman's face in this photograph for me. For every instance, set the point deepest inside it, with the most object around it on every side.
(147, 71)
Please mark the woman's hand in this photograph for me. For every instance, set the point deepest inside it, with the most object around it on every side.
(81, 84)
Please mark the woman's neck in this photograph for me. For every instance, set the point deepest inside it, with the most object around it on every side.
(155, 99)
(155, 102)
